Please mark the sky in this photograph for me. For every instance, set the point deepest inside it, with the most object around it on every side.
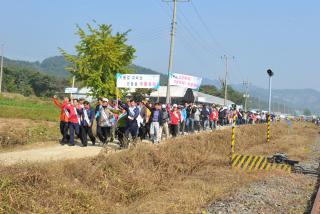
(256, 35)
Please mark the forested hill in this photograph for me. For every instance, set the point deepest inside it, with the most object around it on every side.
(53, 69)
(54, 66)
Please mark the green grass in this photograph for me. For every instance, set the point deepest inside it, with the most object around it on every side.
(17, 106)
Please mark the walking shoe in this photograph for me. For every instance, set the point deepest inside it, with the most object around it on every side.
(70, 144)
(83, 146)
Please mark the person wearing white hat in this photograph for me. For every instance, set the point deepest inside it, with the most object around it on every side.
(165, 122)
(175, 120)
(105, 118)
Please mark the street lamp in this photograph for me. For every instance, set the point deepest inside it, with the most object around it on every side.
(270, 73)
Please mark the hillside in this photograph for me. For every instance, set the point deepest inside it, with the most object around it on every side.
(289, 99)
(55, 66)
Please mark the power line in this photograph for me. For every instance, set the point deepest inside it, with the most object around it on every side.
(199, 35)
(208, 29)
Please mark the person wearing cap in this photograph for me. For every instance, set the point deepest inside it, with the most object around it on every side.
(156, 120)
(175, 120)
(165, 122)
(105, 117)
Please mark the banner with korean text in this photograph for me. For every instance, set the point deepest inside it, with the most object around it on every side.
(185, 81)
(137, 81)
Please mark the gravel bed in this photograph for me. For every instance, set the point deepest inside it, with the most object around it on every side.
(281, 193)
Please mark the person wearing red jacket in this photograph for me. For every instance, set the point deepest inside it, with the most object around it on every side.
(74, 111)
(63, 119)
(214, 117)
(175, 120)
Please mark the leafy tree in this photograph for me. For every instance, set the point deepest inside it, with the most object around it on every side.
(233, 95)
(307, 112)
(210, 89)
(99, 56)
(141, 93)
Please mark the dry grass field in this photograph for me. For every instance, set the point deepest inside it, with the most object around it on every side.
(182, 175)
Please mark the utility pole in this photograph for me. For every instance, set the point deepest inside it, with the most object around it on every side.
(246, 95)
(73, 81)
(1, 68)
(172, 34)
(226, 58)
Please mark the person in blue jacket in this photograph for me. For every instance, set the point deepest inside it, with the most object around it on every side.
(87, 117)
(132, 115)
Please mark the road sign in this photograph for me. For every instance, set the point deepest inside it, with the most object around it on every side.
(70, 90)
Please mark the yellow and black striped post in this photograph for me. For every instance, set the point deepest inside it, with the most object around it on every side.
(268, 128)
(254, 163)
(233, 138)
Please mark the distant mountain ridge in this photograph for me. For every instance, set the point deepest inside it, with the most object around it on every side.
(298, 99)
(55, 66)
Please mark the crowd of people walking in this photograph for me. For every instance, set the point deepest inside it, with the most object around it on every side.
(133, 121)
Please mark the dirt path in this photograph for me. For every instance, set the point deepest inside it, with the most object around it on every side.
(52, 153)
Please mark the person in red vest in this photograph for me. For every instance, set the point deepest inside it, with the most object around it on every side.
(63, 118)
(214, 117)
(74, 111)
(175, 120)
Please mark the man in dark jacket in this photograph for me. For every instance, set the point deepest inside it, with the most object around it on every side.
(132, 115)
(205, 113)
(156, 120)
(87, 117)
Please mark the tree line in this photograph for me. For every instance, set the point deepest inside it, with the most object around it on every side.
(29, 82)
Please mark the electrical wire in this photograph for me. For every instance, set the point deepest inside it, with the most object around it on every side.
(208, 29)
